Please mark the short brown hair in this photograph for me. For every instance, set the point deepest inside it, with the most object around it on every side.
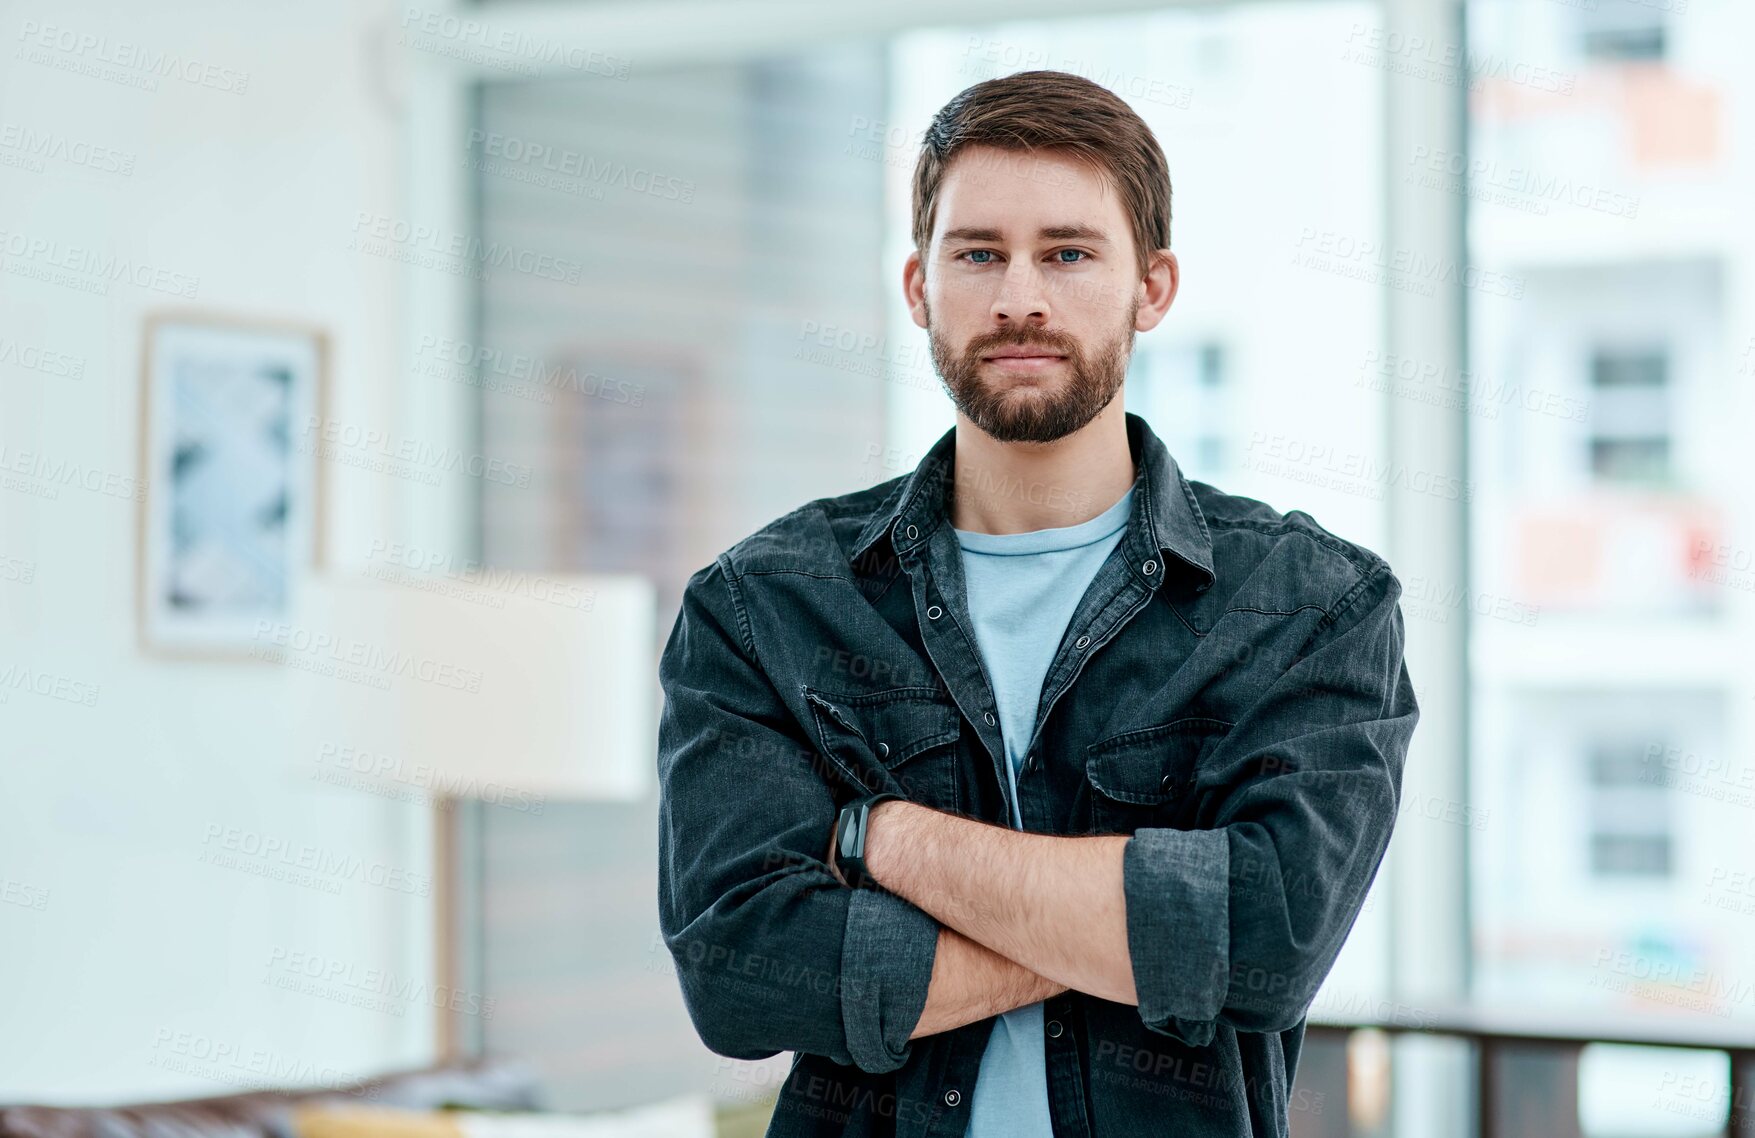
(1034, 110)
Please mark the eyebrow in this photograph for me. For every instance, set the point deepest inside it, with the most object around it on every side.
(1088, 233)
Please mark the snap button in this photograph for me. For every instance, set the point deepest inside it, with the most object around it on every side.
(883, 750)
(989, 718)
(1054, 1029)
(1167, 782)
(934, 613)
(1030, 761)
(953, 1097)
(912, 532)
(1150, 567)
(1083, 641)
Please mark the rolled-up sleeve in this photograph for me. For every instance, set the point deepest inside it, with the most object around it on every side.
(1238, 920)
(772, 952)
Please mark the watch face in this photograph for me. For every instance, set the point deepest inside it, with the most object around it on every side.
(850, 844)
(852, 832)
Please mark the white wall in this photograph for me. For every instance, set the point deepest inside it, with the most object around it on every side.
(131, 967)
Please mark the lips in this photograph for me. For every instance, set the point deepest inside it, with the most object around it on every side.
(1023, 357)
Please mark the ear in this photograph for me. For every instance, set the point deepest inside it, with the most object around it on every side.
(914, 287)
(1161, 281)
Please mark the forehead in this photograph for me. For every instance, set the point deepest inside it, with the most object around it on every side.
(1016, 192)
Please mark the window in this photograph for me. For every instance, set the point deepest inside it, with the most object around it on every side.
(1606, 739)
(1622, 30)
(1629, 812)
(1604, 389)
(1630, 418)
(1181, 391)
(716, 364)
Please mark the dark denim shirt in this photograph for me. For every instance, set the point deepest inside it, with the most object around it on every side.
(1230, 692)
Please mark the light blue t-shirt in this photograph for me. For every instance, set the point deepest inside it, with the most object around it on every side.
(1022, 589)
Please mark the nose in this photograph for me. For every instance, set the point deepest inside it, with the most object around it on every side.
(1022, 297)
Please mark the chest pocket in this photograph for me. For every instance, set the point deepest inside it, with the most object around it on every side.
(902, 740)
(1143, 777)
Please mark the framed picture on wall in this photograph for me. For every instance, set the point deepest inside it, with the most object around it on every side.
(233, 499)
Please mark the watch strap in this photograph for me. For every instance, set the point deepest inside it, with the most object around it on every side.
(848, 848)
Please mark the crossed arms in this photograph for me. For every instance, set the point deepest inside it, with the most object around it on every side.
(1232, 922)
(1027, 916)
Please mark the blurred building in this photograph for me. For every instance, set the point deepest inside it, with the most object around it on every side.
(1612, 597)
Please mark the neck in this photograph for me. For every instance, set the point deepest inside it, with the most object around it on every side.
(1020, 487)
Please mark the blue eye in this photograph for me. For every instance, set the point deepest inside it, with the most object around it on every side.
(979, 253)
(1080, 252)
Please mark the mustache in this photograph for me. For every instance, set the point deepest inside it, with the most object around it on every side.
(1057, 342)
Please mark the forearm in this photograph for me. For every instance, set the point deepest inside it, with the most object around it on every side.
(971, 982)
(1053, 904)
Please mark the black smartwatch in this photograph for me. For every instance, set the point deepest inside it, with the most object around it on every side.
(847, 846)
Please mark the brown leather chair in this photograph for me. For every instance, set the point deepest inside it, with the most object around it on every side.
(482, 1084)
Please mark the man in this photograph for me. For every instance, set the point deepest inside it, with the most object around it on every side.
(1034, 793)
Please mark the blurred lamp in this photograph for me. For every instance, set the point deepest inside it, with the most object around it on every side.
(505, 684)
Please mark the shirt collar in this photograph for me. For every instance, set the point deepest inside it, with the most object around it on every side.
(1166, 518)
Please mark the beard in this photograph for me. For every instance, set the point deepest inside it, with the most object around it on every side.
(1047, 409)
